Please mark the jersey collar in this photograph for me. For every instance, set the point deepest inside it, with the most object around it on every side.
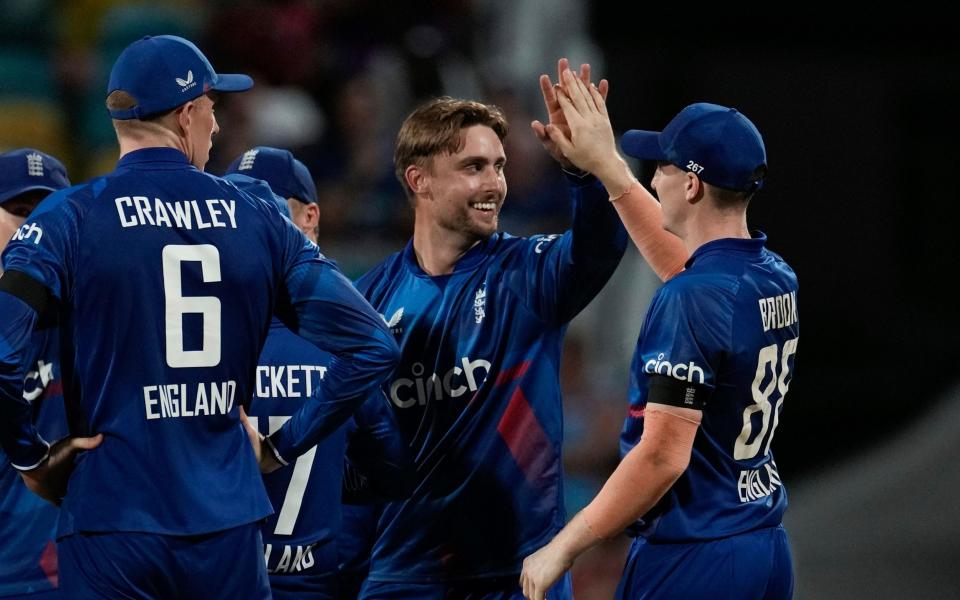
(467, 262)
(754, 245)
(152, 156)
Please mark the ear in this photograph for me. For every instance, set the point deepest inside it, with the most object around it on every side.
(313, 214)
(185, 115)
(418, 179)
(693, 188)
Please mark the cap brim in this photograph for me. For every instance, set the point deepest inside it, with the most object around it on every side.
(233, 82)
(642, 144)
(23, 190)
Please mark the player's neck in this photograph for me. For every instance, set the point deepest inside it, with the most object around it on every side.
(438, 249)
(145, 140)
(715, 225)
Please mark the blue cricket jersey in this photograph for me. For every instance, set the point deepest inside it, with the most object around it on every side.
(28, 555)
(477, 393)
(729, 323)
(166, 278)
(300, 537)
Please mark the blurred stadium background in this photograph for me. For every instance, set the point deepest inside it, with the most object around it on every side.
(859, 121)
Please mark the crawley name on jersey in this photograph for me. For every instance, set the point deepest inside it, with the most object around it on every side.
(167, 278)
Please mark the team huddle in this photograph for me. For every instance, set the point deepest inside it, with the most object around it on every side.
(196, 403)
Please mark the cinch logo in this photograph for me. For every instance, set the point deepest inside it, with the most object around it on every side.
(186, 84)
(34, 165)
(246, 162)
(26, 231)
(452, 384)
(683, 372)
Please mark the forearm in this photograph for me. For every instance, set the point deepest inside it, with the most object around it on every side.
(598, 233)
(330, 313)
(644, 475)
(641, 215)
(355, 370)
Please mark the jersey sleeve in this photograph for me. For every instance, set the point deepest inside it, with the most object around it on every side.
(562, 273)
(45, 247)
(378, 465)
(683, 340)
(19, 437)
(321, 305)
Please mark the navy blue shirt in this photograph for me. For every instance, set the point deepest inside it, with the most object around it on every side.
(477, 393)
(28, 555)
(728, 323)
(167, 278)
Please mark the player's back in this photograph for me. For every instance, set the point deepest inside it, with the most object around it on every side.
(733, 327)
(169, 277)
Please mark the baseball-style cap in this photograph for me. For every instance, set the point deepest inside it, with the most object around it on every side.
(286, 175)
(164, 71)
(26, 169)
(261, 190)
(718, 144)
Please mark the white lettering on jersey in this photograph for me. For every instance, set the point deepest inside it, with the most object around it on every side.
(37, 381)
(682, 372)
(181, 214)
(286, 381)
(546, 239)
(292, 558)
(778, 311)
(27, 231)
(176, 400)
(408, 392)
(758, 483)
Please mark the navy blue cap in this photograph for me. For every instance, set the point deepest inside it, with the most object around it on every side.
(286, 175)
(26, 169)
(261, 190)
(718, 144)
(164, 71)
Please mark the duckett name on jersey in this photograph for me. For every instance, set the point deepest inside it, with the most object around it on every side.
(406, 392)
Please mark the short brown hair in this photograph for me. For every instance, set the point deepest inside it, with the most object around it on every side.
(434, 128)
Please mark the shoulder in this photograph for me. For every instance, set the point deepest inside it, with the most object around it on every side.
(698, 295)
(388, 269)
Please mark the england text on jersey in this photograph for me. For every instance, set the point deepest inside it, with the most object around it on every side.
(182, 400)
(179, 214)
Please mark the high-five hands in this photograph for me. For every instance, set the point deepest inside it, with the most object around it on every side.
(556, 115)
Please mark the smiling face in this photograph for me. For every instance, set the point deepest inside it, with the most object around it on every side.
(463, 192)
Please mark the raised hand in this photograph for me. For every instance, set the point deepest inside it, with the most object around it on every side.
(555, 111)
(586, 139)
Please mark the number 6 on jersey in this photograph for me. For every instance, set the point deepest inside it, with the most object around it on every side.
(177, 305)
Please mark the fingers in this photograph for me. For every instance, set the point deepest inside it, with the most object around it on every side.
(86, 443)
(604, 88)
(576, 92)
(539, 130)
(557, 137)
(599, 100)
(563, 65)
(546, 88)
